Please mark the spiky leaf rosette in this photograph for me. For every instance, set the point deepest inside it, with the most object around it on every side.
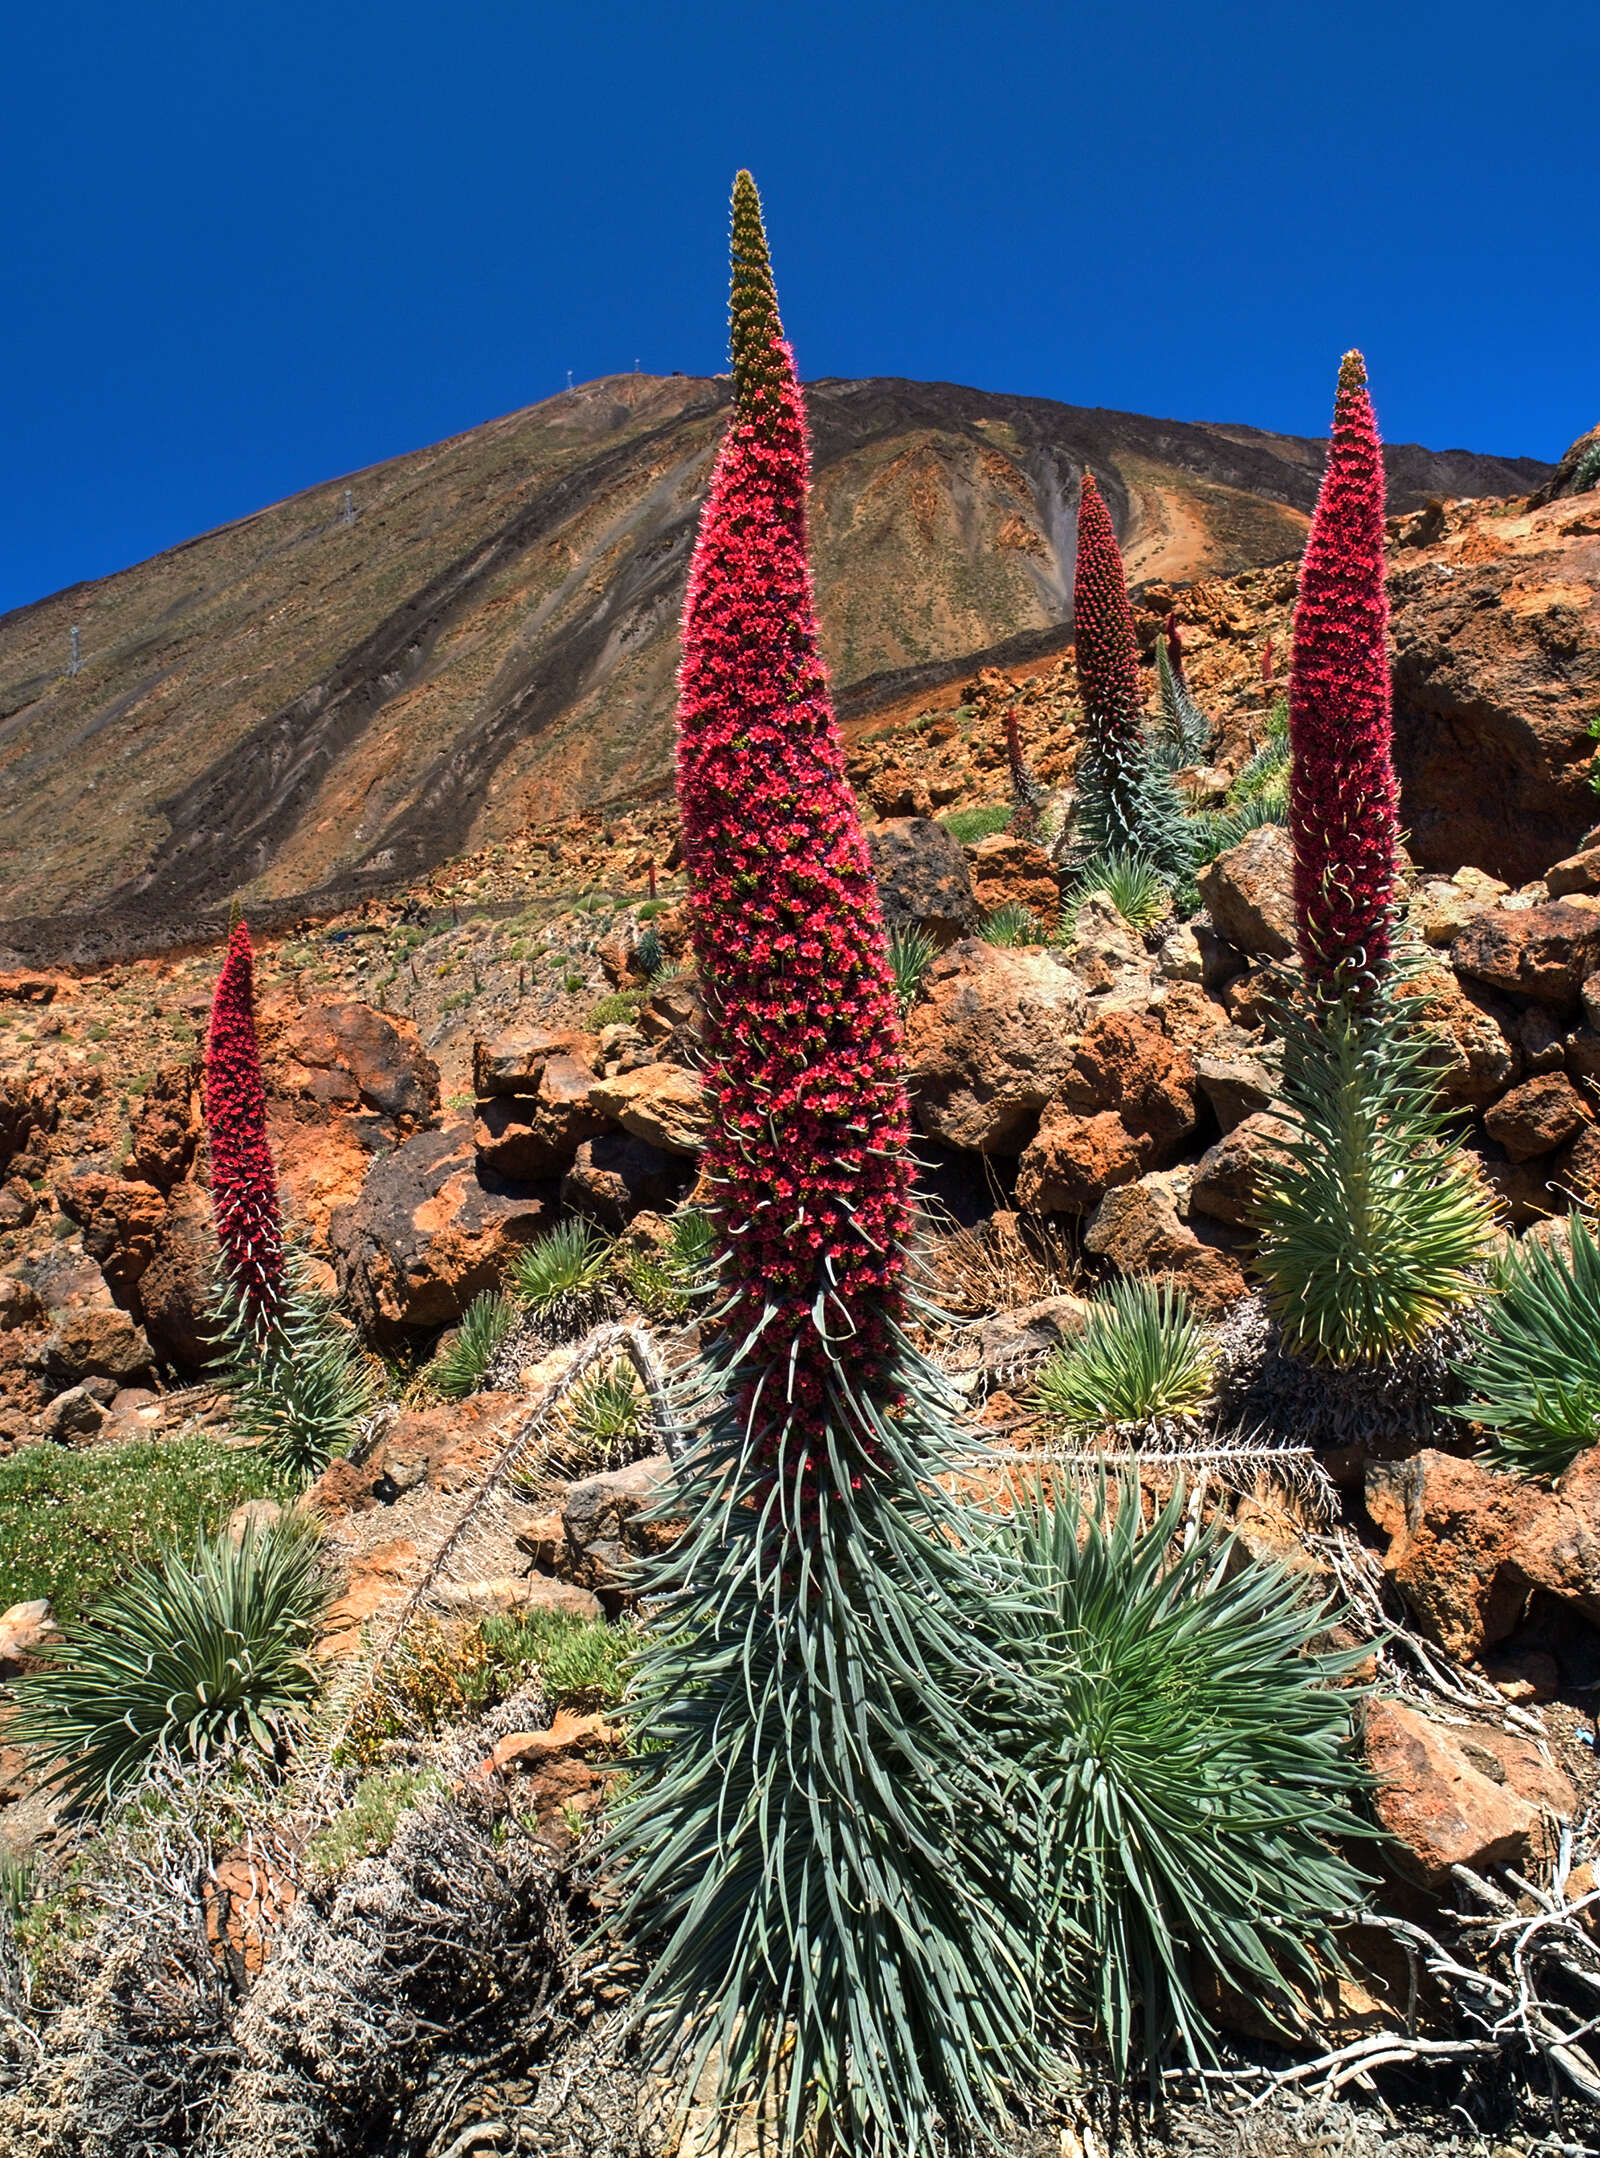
(299, 1382)
(807, 1837)
(244, 1184)
(1371, 1229)
(1534, 1369)
(1192, 1763)
(1184, 735)
(1343, 801)
(1125, 804)
(189, 1657)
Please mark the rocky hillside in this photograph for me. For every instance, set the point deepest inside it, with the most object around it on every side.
(338, 694)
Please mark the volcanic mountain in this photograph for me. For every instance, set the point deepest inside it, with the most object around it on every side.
(339, 692)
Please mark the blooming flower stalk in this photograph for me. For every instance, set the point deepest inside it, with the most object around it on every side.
(244, 1185)
(809, 1110)
(1125, 805)
(814, 1839)
(1343, 801)
(1027, 796)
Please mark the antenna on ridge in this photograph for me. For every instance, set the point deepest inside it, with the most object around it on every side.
(569, 378)
(74, 651)
(349, 516)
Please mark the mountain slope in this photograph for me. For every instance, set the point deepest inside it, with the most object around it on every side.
(295, 707)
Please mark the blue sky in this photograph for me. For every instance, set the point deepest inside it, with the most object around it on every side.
(252, 246)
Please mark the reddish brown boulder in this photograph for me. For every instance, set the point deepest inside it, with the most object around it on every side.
(1072, 1160)
(1467, 1543)
(1138, 1228)
(1249, 893)
(991, 1042)
(614, 1176)
(350, 1054)
(662, 1104)
(26, 987)
(1544, 953)
(94, 1342)
(1125, 1062)
(1108, 956)
(445, 1445)
(379, 1580)
(1537, 1117)
(514, 1063)
(1578, 873)
(176, 1288)
(923, 879)
(1189, 1017)
(1127, 1101)
(1007, 870)
(120, 1220)
(608, 1524)
(1496, 674)
(1476, 1053)
(528, 1137)
(165, 1131)
(429, 1232)
(1479, 1797)
(1236, 1078)
(1225, 1178)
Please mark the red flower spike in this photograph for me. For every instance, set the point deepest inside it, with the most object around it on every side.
(1107, 650)
(1343, 800)
(810, 1124)
(1175, 646)
(244, 1185)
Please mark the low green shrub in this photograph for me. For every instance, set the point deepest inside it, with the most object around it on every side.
(365, 1827)
(1141, 1358)
(1011, 925)
(1189, 1754)
(1135, 887)
(580, 1663)
(442, 1674)
(621, 1009)
(75, 1524)
(462, 1366)
(607, 1414)
(561, 1277)
(970, 825)
(192, 1657)
(1534, 1369)
(911, 952)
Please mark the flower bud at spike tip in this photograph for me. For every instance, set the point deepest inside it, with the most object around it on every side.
(810, 1124)
(1343, 801)
(244, 1186)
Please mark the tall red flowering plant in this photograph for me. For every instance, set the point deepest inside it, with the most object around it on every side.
(809, 1123)
(300, 1385)
(244, 1183)
(811, 1836)
(1343, 802)
(1371, 1233)
(1125, 803)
